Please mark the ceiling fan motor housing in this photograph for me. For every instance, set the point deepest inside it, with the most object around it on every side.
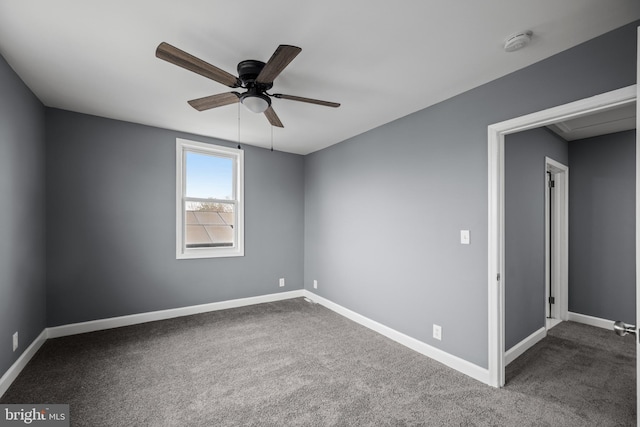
(248, 72)
(255, 98)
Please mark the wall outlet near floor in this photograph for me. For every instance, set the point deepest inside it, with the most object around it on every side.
(282, 282)
(15, 341)
(437, 332)
(315, 284)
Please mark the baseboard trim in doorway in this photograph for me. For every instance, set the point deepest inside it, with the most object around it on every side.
(134, 319)
(590, 320)
(12, 373)
(517, 350)
(454, 362)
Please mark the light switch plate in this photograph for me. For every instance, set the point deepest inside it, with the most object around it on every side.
(464, 237)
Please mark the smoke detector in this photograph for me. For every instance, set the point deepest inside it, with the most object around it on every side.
(517, 41)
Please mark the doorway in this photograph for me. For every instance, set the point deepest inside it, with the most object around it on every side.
(496, 273)
(556, 242)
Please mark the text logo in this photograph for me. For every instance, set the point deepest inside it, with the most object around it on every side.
(34, 415)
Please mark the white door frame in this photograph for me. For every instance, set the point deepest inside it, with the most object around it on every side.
(496, 136)
(559, 223)
(637, 228)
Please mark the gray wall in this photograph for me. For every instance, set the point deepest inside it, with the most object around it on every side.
(602, 226)
(525, 180)
(383, 210)
(111, 223)
(22, 216)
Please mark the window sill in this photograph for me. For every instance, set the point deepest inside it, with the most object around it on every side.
(196, 253)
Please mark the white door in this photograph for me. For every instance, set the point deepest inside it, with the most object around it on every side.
(620, 327)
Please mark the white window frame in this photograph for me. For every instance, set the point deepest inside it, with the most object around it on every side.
(182, 147)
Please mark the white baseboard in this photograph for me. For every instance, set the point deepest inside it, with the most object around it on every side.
(454, 362)
(12, 373)
(134, 319)
(516, 351)
(590, 320)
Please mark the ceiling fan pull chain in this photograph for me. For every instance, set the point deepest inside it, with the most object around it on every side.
(239, 147)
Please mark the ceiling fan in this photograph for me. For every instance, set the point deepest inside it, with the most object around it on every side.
(255, 76)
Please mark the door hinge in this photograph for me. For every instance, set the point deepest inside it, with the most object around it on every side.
(552, 184)
(552, 300)
(498, 277)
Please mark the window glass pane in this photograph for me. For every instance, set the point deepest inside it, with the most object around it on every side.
(208, 176)
(209, 225)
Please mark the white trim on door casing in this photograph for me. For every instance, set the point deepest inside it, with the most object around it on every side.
(560, 251)
(637, 90)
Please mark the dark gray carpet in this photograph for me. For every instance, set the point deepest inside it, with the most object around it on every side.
(591, 371)
(296, 363)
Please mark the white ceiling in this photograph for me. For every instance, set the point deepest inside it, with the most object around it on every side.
(380, 59)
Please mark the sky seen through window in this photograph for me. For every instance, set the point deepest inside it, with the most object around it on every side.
(208, 177)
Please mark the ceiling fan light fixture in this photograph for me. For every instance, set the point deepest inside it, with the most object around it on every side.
(256, 102)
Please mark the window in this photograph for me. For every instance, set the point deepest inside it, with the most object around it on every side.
(209, 200)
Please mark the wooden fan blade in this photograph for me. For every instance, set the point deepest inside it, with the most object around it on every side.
(187, 61)
(273, 117)
(283, 55)
(309, 100)
(214, 101)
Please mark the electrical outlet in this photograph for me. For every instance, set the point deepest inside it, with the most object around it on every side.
(282, 282)
(315, 284)
(437, 332)
(15, 341)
